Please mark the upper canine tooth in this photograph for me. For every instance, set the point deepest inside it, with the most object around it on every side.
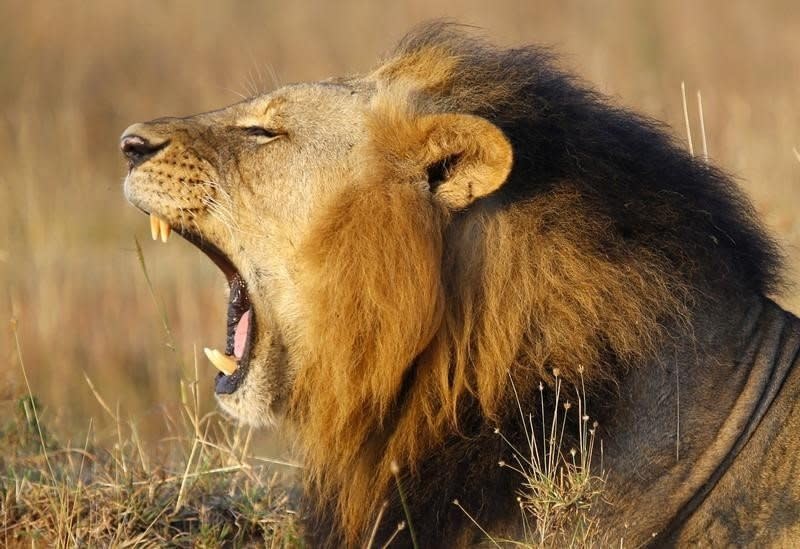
(165, 230)
(154, 226)
(224, 363)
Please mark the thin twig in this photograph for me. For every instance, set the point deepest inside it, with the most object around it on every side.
(400, 527)
(375, 526)
(186, 475)
(98, 397)
(31, 400)
(702, 125)
(159, 305)
(396, 472)
(475, 522)
(686, 118)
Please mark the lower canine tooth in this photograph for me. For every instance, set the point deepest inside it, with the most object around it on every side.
(165, 230)
(155, 226)
(223, 363)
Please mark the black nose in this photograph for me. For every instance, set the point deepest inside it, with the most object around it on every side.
(137, 149)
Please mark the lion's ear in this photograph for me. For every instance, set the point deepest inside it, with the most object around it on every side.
(465, 157)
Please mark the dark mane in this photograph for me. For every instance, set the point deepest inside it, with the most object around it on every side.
(627, 165)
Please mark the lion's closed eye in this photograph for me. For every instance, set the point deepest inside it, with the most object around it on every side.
(259, 131)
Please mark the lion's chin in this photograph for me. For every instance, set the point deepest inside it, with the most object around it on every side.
(259, 392)
(247, 411)
(253, 402)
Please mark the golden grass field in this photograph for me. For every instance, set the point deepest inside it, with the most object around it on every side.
(74, 74)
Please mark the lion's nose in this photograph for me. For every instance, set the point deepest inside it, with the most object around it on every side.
(137, 146)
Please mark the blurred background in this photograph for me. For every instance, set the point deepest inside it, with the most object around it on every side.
(74, 74)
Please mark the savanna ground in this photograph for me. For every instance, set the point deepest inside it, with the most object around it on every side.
(121, 443)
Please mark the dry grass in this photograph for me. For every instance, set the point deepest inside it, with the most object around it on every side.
(559, 483)
(202, 487)
(205, 491)
(74, 75)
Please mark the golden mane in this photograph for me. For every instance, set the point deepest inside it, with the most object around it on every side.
(414, 309)
(418, 312)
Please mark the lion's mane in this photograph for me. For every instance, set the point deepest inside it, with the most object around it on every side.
(600, 248)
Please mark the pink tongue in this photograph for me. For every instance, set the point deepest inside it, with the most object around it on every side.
(240, 335)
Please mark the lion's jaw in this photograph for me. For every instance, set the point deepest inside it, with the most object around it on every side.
(241, 184)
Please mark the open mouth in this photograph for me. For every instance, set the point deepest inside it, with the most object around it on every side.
(233, 363)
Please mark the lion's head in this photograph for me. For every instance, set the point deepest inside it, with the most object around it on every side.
(402, 246)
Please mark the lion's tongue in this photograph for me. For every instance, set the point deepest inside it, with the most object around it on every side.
(240, 335)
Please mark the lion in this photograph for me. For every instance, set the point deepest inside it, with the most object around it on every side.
(414, 251)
